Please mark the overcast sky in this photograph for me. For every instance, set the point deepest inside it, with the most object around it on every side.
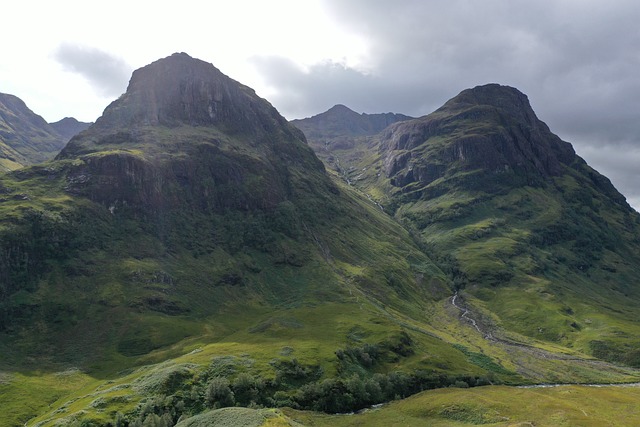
(577, 60)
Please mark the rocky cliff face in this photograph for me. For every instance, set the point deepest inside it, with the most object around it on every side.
(186, 134)
(491, 128)
(180, 90)
(25, 137)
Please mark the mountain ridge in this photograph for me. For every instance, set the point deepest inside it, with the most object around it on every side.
(68, 127)
(25, 137)
(339, 135)
(509, 209)
(189, 251)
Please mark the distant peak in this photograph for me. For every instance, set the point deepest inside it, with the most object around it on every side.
(340, 108)
(181, 54)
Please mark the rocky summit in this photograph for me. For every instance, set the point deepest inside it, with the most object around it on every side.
(184, 133)
(180, 90)
(489, 128)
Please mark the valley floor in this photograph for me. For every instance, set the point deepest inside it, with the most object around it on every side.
(498, 406)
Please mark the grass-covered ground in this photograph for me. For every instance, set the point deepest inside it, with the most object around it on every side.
(498, 406)
(296, 291)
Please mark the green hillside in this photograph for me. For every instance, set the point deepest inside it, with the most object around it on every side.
(199, 237)
(25, 137)
(539, 244)
(496, 406)
(189, 253)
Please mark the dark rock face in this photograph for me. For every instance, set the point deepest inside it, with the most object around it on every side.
(69, 127)
(25, 137)
(184, 135)
(180, 90)
(490, 127)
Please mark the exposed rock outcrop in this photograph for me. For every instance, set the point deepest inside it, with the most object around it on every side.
(184, 134)
(492, 128)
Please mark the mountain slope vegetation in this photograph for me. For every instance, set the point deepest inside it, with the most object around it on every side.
(191, 234)
(25, 137)
(538, 242)
(189, 252)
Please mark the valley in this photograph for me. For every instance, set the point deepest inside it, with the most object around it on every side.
(192, 257)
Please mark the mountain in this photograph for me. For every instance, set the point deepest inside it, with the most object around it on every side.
(341, 121)
(188, 252)
(25, 137)
(69, 127)
(539, 243)
(192, 230)
(340, 134)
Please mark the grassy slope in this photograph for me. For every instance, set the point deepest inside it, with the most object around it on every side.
(556, 261)
(120, 299)
(569, 290)
(25, 138)
(498, 406)
(253, 327)
(131, 309)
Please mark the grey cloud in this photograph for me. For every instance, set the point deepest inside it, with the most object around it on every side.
(307, 92)
(619, 162)
(107, 74)
(577, 61)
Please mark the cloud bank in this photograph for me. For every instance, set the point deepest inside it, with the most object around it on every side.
(577, 61)
(107, 74)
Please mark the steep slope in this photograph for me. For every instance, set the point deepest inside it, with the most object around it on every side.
(339, 136)
(190, 168)
(69, 127)
(542, 244)
(192, 225)
(189, 252)
(25, 137)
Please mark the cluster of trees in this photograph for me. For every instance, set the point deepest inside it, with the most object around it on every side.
(294, 385)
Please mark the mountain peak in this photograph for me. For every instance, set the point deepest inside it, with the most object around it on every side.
(340, 119)
(505, 99)
(490, 93)
(69, 127)
(186, 133)
(490, 128)
(340, 109)
(181, 90)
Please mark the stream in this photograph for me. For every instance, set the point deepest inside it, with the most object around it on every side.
(465, 315)
(489, 336)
